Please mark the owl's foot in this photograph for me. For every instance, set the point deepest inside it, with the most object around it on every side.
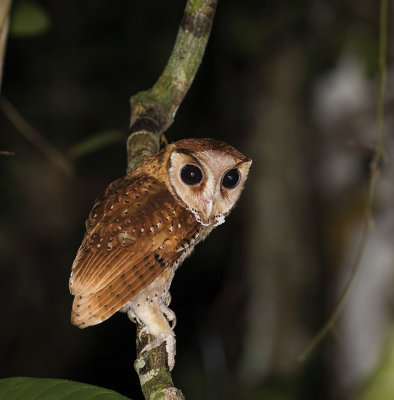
(132, 316)
(145, 330)
(167, 299)
(169, 314)
(169, 338)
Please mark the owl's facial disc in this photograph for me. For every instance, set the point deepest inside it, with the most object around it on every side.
(208, 183)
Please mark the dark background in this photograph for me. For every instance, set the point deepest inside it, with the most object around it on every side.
(291, 84)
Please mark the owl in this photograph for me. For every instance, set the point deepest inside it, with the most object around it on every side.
(145, 225)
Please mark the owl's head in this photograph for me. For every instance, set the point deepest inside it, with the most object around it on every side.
(207, 176)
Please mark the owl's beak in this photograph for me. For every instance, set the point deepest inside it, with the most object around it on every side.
(207, 207)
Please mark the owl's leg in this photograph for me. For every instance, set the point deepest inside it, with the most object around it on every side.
(150, 313)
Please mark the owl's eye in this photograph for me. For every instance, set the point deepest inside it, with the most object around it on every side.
(191, 174)
(231, 179)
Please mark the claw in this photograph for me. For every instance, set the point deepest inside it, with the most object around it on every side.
(145, 330)
(132, 316)
(167, 299)
(169, 314)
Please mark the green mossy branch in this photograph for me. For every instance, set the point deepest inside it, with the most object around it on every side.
(155, 378)
(153, 110)
(152, 113)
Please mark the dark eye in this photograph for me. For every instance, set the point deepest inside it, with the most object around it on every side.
(191, 174)
(231, 179)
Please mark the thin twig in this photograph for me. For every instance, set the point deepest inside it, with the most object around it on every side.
(152, 113)
(6, 153)
(373, 174)
(34, 137)
(13, 115)
(5, 7)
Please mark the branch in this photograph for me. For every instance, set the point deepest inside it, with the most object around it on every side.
(151, 367)
(153, 110)
(5, 6)
(34, 137)
(152, 113)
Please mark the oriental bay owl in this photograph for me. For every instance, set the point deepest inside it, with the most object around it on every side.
(145, 225)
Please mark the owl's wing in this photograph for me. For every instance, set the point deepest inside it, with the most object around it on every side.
(133, 235)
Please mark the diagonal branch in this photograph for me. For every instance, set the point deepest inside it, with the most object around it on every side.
(34, 137)
(152, 113)
(153, 110)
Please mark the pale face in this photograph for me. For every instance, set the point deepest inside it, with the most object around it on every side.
(208, 183)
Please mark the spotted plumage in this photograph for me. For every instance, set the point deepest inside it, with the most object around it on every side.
(143, 228)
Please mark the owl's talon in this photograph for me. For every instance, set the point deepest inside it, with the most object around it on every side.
(169, 314)
(168, 299)
(132, 316)
(145, 330)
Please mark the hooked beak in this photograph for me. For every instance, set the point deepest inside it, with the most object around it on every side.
(205, 217)
(207, 205)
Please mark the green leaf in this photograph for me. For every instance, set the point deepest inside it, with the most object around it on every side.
(21, 388)
(380, 385)
(95, 143)
(29, 19)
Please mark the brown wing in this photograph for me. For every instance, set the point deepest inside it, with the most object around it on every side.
(133, 235)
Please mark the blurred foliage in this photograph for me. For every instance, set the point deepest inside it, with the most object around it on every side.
(29, 19)
(380, 385)
(94, 143)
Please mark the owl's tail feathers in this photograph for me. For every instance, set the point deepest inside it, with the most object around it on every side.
(81, 316)
(94, 308)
